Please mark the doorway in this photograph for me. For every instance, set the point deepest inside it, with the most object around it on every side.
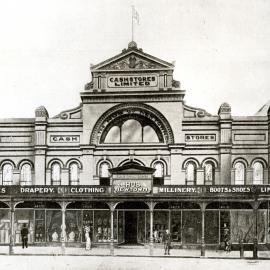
(131, 227)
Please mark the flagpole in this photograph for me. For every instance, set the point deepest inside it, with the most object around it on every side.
(132, 23)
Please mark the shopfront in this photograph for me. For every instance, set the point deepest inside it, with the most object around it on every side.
(196, 217)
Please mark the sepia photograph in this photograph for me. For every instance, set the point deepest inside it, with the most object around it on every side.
(134, 134)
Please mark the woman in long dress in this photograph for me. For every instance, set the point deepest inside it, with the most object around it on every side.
(87, 238)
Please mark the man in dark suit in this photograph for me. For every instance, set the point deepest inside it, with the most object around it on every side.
(167, 242)
(24, 234)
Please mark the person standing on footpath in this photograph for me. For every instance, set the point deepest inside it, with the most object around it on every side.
(167, 242)
(24, 234)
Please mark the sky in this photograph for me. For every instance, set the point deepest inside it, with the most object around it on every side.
(220, 48)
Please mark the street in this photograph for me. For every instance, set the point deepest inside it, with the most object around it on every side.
(25, 262)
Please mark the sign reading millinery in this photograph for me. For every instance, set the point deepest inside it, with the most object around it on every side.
(200, 137)
(131, 186)
(65, 138)
(132, 81)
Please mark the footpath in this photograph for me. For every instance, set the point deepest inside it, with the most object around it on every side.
(130, 252)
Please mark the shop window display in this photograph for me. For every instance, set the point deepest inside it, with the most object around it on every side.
(4, 226)
(191, 227)
(73, 226)
(160, 224)
(87, 223)
(242, 226)
(24, 216)
(262, 226)
(225, 230)
(176, 226)
(53, 225)
(211, 227)
(40, 226)
(102, 229)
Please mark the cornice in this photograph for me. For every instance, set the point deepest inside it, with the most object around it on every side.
(113, 97)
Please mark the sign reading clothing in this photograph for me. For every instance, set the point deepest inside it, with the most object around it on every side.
(132, 81)
(131, 186)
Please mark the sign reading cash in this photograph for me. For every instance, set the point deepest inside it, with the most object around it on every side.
(65, 138)
(132, 81)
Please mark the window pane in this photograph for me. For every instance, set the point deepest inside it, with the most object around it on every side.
(104, 170)
(258, 173)
(239, 173)
(209, 173)
(26, 176)
(131, 132)
(113, 135)
(74, 172)
(7, 174)
(190, 173)
(159, 172)
(149, 135)
(56, 174)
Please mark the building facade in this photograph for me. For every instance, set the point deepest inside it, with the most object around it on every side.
(133, 160)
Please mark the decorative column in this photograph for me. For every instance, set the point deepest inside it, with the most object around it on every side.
(151, 206)
(225, 143)
(11, 232)
(203, 206)
(63, 226)
(255, 207)
(112, 206)
(41, 116)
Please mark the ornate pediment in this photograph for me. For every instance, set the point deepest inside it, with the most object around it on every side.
(132, 168)
(132, 62)
(132, 59)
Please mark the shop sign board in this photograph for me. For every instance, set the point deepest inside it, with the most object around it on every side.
(200, 137)
(130, 186)
(134, 81)
(53, 190)
(64, 138)
(213, 190)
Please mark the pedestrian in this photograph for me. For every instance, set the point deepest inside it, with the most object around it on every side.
(87, 238)
(227, 243)
(24, 234)
(167, 242)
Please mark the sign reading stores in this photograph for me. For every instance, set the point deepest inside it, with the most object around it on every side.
(132, 81)
(200, 137)
(131, 186)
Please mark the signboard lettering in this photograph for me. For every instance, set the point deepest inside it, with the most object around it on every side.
(65, 138)
(132, 81)
(200, 137)
(131, 186)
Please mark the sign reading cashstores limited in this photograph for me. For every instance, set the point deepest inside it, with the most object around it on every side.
(132, 81)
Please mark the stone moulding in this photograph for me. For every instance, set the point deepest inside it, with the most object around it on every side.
(136, 109)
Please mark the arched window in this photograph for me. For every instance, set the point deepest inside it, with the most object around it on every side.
(209, 173)
(239, 173)
(191, 173)
(7, 174)
(104, 175)
(74, 174)
(56, 174)
(131, 131)
(158, 174)
(257, 173)
(26, 174)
